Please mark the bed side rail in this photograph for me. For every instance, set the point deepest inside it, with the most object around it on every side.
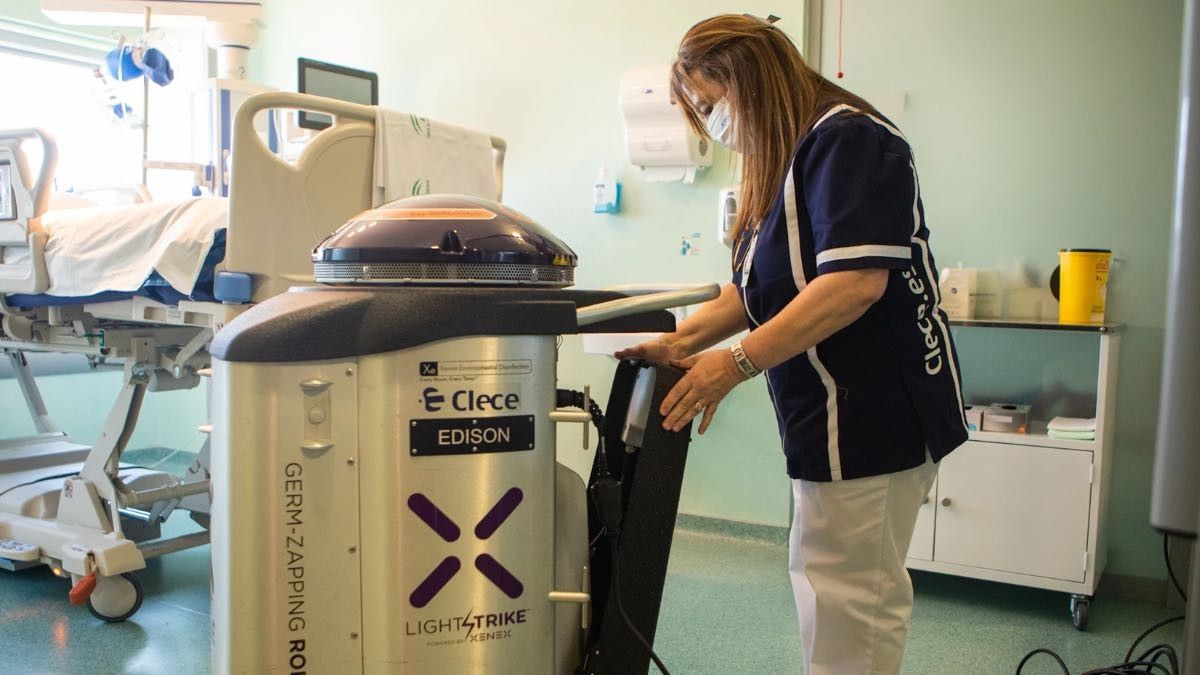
(278, 212)
(341, 111)
(23, 199)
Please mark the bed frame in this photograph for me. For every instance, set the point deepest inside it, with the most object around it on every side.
(278, 212)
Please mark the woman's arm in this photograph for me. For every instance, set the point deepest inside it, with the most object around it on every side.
(713, 322)
(830, 303)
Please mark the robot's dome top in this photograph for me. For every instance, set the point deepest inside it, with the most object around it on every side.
(443, 239)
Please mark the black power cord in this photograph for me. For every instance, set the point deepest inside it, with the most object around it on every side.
(1042, 650)
(1147, 632)
(615, 591)
(567, 398)
(1170, 571)
(606, 495)
(1148, 662)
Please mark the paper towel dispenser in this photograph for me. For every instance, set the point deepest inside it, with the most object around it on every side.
(658, 137)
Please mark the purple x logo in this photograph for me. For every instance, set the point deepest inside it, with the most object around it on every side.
(446, 528)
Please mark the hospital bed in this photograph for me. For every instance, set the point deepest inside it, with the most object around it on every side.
(198, 264)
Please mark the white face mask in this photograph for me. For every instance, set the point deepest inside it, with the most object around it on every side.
(720, 123)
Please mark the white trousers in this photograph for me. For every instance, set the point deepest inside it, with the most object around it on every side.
(854, 597)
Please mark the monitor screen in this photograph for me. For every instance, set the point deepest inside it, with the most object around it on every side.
(330, 81)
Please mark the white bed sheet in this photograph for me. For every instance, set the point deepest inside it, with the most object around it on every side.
(115, 248)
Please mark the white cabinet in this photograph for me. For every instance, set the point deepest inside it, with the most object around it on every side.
(1041, 527)
(1026, 509)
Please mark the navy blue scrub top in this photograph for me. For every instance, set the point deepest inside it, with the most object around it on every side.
(877, 395)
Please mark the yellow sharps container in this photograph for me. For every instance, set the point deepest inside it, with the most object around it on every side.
(1083, 284)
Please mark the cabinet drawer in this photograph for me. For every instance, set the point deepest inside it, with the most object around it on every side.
(1015, 508)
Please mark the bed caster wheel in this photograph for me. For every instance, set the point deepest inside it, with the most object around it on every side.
(1080, 604)
(115, 598)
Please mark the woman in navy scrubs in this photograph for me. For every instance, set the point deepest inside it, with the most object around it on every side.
(834, 278)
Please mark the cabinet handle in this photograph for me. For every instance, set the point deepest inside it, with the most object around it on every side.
(946, 501)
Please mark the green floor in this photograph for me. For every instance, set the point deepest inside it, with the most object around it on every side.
(727, 609)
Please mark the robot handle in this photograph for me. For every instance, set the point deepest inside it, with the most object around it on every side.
(652, 300)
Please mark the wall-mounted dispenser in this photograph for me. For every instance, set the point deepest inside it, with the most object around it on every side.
(727, 211)
(606, 193)
(657, 135)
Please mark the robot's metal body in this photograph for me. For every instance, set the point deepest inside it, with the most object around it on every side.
(386, 497)
(401, 526)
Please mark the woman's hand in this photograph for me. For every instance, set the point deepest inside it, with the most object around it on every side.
(710, 377)
(661, 349)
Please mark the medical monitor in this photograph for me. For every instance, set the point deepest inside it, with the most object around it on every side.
(339, 82)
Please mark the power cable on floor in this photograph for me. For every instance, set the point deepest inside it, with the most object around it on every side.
(1148, 662)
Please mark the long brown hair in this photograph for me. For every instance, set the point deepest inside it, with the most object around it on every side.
(774, 98)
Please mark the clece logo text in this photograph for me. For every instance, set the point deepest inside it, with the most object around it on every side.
(470, 400)
(925, 323)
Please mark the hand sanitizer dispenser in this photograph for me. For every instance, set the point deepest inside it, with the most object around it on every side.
(606, 193)
(727, 211)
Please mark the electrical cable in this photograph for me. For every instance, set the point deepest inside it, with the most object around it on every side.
(1158, 651)
(43, 479)
(1148, 662)
(1132, 668)
(40, 480)
(1148, 631)
(1043, 650)
(1170, 571)
(567, 398)
(615, 592)
(840, 74)
(606, 495)
(197, 442)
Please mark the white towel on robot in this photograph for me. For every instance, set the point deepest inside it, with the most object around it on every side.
(415, 156)
(93, 250)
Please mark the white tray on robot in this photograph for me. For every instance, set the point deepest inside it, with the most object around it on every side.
(610, 343)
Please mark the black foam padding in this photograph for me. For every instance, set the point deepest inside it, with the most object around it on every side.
(651, 478)
(319, 323)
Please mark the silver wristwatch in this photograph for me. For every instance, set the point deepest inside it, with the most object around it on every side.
(743, 362)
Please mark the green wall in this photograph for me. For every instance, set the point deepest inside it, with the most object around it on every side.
(1040, 125)
(80, 402)
(1036, 125)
